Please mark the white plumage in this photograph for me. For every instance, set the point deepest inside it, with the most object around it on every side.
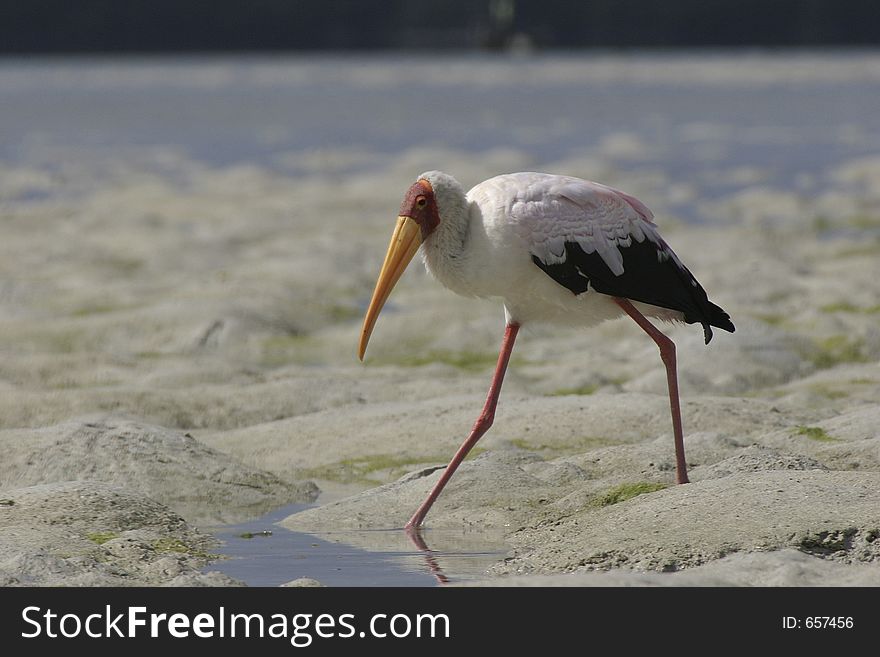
(509, 218)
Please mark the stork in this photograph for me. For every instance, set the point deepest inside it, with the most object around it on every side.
(554, 249)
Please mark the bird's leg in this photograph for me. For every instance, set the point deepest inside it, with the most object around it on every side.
(482, 426)
(667, 353)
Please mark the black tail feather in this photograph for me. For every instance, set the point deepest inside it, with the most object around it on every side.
(717, 318)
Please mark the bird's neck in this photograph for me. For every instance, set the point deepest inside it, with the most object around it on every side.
(446, 251)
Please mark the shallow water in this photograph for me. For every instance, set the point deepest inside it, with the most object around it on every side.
(698, 117)
(262, 553)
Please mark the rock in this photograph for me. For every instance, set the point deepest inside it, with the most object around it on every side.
(756, 500)
(90, 534)
(200, 483)
(428, 431)
(835, 515)
(303, 582)
(211, 578)
(845, 441)
(787, 567)
(754, 459)
(489, 491)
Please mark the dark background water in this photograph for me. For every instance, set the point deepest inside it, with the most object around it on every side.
(791, 117)
(275, 25)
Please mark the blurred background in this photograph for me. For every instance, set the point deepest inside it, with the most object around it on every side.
(280, 25)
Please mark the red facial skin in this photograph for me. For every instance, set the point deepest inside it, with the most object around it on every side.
(420, 205)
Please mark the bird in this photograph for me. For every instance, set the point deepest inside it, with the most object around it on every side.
(555, 249)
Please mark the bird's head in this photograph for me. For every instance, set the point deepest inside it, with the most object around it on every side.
(419, 216)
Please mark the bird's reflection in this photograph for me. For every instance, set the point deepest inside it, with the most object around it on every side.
(415, 536)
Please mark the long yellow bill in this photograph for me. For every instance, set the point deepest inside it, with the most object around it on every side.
(405, 242)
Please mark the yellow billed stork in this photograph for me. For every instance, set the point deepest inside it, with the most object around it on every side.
(553, 249)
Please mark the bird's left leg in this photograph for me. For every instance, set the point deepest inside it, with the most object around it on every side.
(482, 426)
(667, 353)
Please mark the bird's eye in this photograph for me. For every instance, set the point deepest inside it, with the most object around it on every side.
(421, 201)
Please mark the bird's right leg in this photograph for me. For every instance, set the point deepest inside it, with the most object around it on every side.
(482, 426)
(667, 354)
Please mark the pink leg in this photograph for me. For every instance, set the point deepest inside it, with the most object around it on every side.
(482, 426)
(667, 353)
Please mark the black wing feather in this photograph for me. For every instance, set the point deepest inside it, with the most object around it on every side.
(650, 275)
